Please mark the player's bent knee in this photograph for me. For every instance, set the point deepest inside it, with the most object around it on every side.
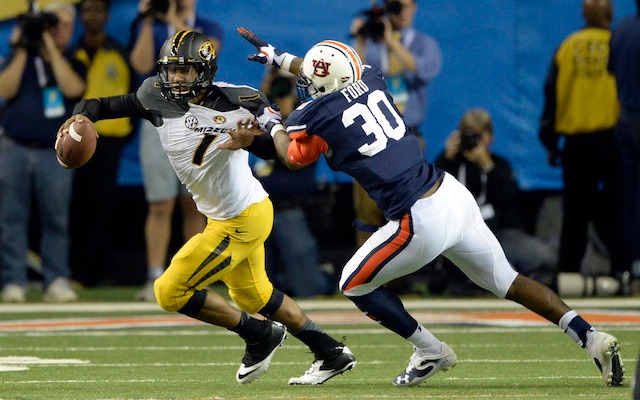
(274, 303)
(169, 296)
(249, 304)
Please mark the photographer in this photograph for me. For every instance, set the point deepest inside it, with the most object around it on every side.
(385, 38)
(157, 20)
(40, 82)
(490, 179)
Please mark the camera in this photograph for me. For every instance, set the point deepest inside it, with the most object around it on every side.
(158, 7)
(33, 23)
(469, 139)
(373, 27)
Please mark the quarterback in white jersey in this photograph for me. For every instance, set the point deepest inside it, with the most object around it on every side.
(193, 116)
(220, 181)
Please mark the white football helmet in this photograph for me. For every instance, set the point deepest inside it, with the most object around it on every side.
(328, 67)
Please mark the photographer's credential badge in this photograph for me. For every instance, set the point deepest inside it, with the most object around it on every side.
(398, 89)
(52, 102)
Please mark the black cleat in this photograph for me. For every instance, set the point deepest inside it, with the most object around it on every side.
(257, 356)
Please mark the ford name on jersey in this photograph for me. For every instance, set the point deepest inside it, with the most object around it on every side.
(355, 90)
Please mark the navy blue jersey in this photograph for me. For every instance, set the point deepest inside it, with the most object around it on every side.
(368, 140)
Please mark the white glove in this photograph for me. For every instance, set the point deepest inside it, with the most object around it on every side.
(270, 119)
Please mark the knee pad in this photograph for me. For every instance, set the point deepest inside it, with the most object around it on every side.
(195, 304)
(274, 303)
(169, 296)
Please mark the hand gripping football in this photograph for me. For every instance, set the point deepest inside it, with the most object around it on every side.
(76, 147)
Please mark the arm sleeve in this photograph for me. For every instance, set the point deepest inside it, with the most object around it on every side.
(126, 105)
(547, 133)
(262, 146)
(304, 149)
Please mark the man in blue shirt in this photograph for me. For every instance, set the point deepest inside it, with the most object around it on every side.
(40, 82)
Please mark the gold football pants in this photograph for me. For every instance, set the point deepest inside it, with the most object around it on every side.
(230, 251)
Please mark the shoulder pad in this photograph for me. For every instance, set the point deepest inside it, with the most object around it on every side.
(243, 96)
(151, 98)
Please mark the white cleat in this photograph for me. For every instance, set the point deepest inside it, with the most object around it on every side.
(336, 362)
(605, 350)
(422, 367)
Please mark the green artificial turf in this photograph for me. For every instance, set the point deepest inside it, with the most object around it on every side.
(199, 362)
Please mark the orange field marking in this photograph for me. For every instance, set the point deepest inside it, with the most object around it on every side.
(511, 318)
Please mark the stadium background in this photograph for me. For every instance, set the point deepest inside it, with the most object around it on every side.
(495, 55)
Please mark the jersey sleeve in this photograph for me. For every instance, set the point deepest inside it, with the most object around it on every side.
(305, 149)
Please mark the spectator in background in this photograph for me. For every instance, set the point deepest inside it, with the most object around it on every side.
(490, 179)
(41, 82)
(95, 184)
(292, 244)
(157, 21)
(580, 105)
(410, 60)
(624, 64)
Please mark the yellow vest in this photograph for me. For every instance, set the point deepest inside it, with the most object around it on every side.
(108, 74)
(585, 90)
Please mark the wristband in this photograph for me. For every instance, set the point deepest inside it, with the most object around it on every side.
(286, 61)
(275, 128)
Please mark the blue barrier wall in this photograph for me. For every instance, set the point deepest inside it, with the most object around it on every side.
(496, 54)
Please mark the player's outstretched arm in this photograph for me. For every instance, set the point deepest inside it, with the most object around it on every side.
(268, 54)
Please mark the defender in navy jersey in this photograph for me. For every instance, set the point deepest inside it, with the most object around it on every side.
(391, 168)
(350, 118)
(194, 116)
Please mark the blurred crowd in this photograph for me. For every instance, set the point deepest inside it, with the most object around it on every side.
(64, 229)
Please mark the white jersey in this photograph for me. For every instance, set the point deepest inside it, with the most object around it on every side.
(220, 181)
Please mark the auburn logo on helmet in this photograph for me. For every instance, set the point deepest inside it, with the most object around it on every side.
(321, 68)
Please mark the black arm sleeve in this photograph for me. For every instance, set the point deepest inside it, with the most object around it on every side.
(126, 105)
(263, 147)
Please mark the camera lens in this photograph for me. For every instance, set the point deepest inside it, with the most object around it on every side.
(469, 139)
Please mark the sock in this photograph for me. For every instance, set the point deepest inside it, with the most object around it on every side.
(314, 337)
(576, 327)
(250, 329)
(384, 306)
(425, 341)
(154, 273)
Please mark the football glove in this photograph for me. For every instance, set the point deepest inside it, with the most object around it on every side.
(266, 53)
(270, 119)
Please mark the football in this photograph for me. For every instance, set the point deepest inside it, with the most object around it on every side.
(77, 146)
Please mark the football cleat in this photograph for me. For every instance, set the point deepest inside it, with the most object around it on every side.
(332, 363)
(605, 350)
(421, 368)
(257, 356)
